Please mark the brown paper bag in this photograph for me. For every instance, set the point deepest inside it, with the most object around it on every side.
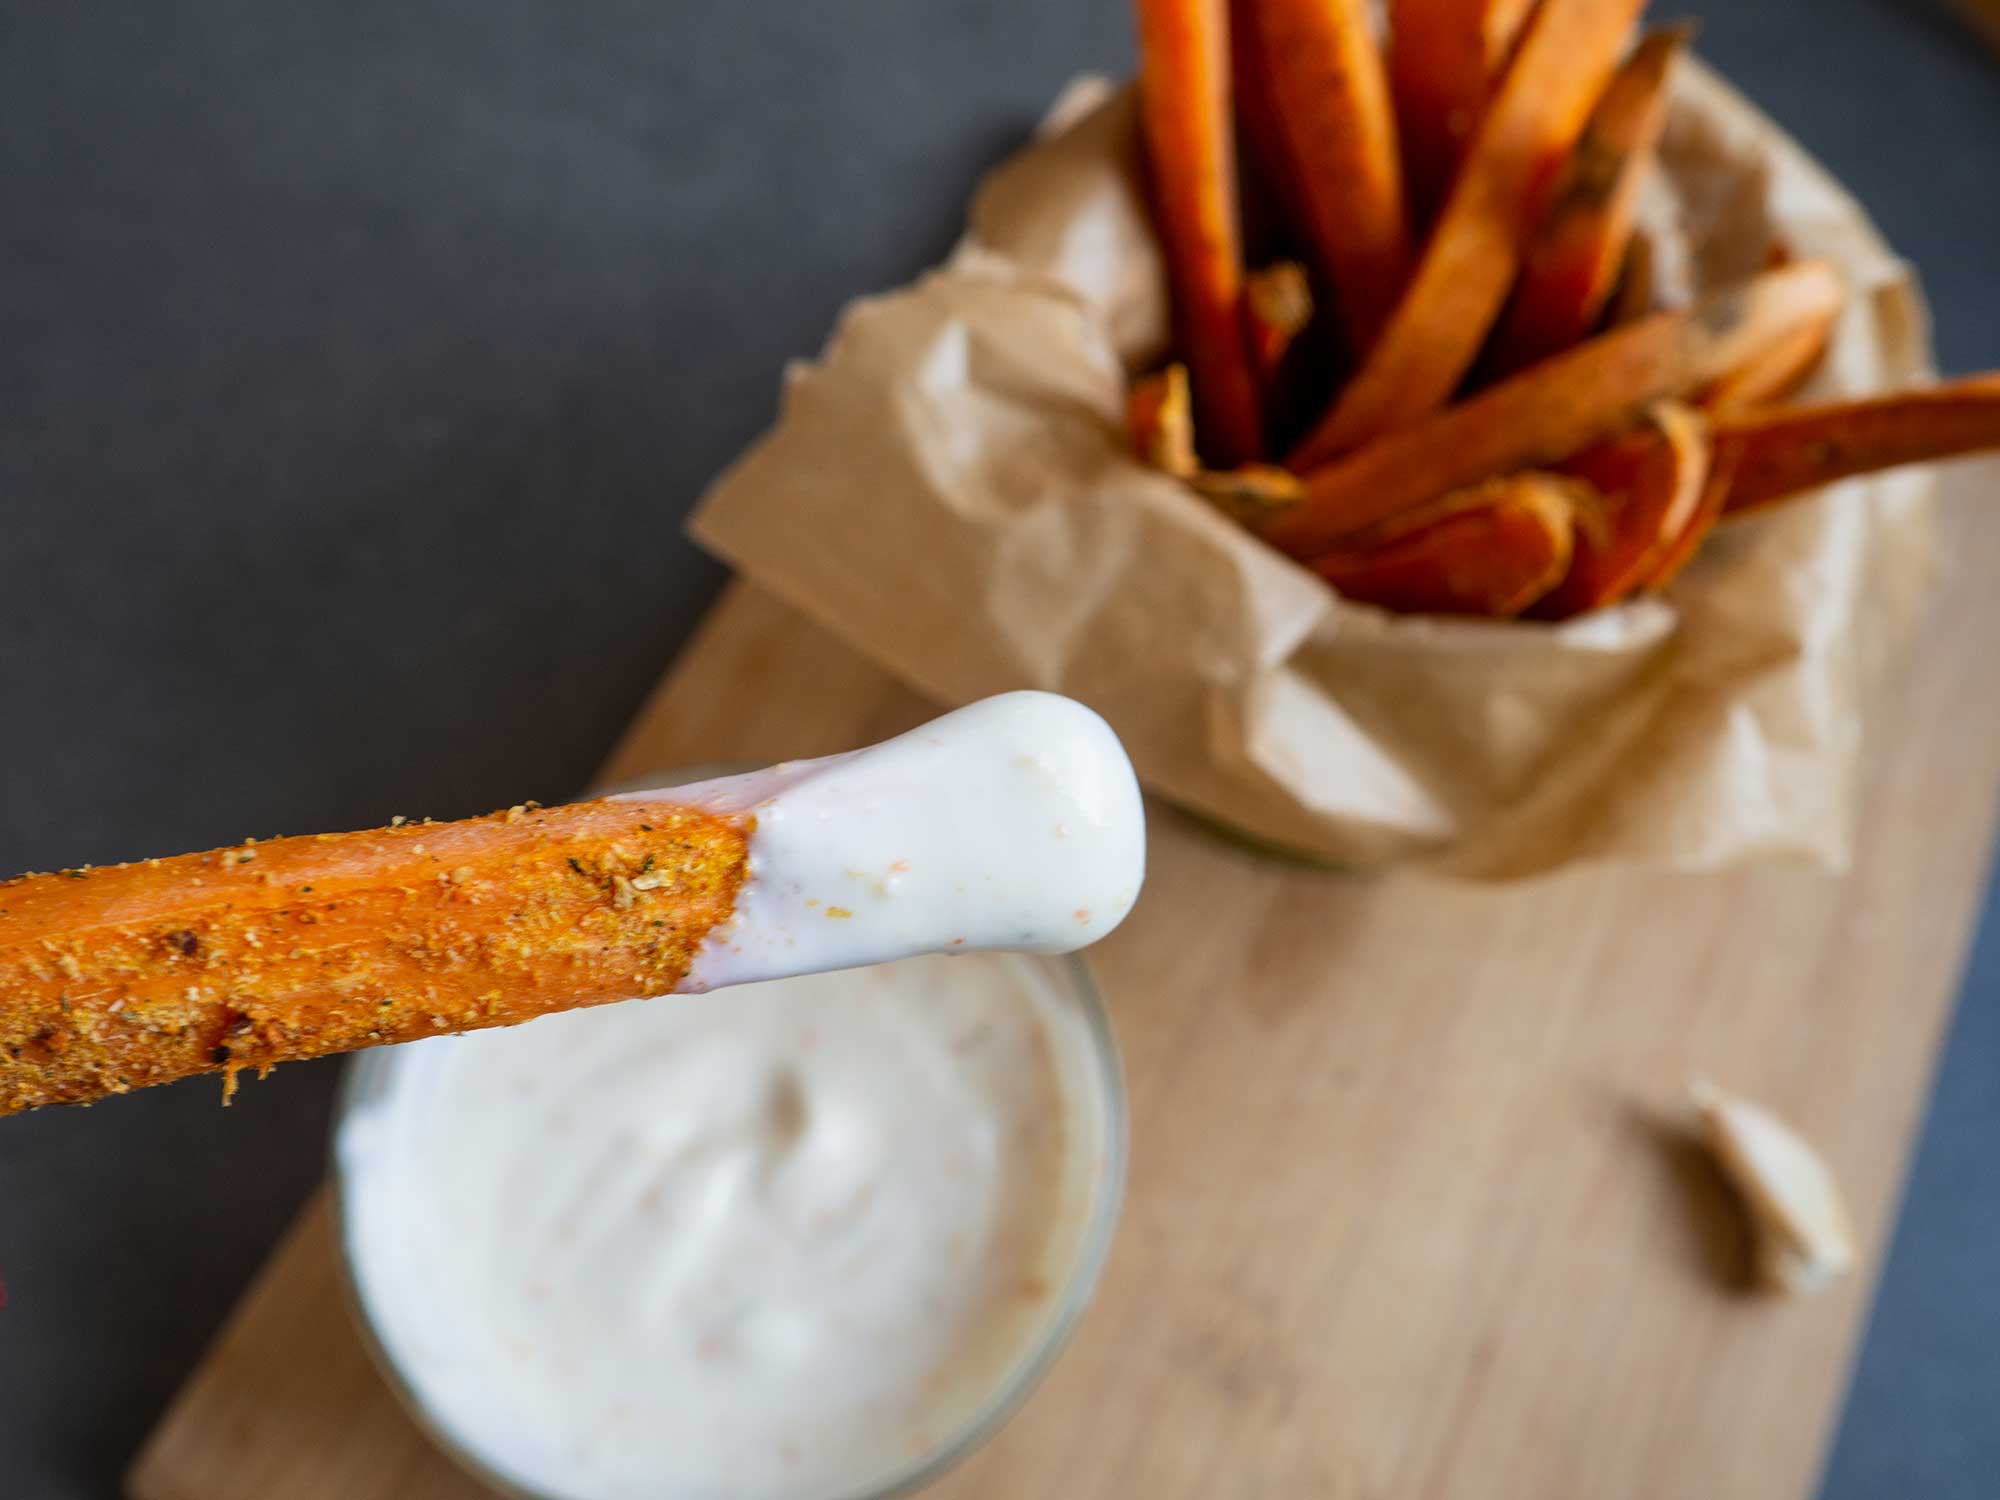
(949, 490)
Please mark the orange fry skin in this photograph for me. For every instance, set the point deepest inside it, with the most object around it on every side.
(1679, 552)
(1444, 56)
(116, 977)
(1329, 93)
(1499, 196)
(1272, 212)
(1572, 266)
(1785, 451)
(1633, 297)
(1491, 554)
(1553, 410)
(1653, 480)
(1190, 147)
(1772, 376)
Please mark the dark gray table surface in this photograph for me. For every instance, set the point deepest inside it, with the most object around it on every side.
(358, 364)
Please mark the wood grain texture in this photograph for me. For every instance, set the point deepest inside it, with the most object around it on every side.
(1413, 1211)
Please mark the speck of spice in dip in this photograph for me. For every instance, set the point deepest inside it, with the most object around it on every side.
(786, 1240)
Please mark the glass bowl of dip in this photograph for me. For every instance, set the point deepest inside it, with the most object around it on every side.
(807, 1240)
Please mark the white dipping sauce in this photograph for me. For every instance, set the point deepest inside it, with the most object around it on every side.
(1013, 823)
(785, 1240)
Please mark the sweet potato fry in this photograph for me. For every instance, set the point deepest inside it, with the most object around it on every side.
(1652, 480)
(1493, 552)
(1444, 56)
(122, 976)
(1786, 451)
(1268, 197)
(1249, 493)
(1589, 509)
(1573, 263)
(1184, 110)
(1160, 421)
(1330, 92)
(1500, 194)
(1557, 408)
(1773, 375)
(1678, 553)
(1162, 430)
(1636, 291)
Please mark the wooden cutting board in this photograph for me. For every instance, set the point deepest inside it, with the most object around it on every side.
(1412, 1212)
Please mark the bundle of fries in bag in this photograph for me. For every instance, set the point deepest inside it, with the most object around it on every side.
(1497, 414)
(1391, 440)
